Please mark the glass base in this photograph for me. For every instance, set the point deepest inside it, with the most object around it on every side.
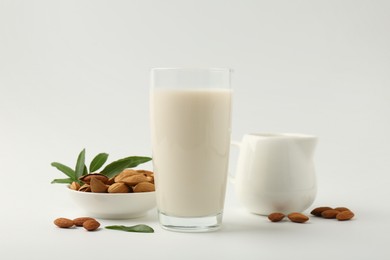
(188, 224)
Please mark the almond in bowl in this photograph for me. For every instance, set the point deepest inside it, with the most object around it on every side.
(117, 197)
(127, 181)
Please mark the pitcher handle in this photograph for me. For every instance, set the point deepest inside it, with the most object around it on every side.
(231, 178)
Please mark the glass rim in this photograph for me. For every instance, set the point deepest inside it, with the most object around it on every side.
(191, 69)
(282, 135)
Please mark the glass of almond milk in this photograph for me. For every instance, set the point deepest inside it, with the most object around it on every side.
(190, 113)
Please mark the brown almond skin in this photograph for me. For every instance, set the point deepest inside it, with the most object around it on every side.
(298, 217)
(345, 215)
(80, 221)
(146, 172)
(74, 186)
(317, 211)
(85, 188)
(87, 178)
(91, 225)
(276, 216)
(134, 179)
(63, 222)
(124, 174)
(150, 179)
(98, 186)
(144, 187)
(111, 181)
(119, 187)
(341, 209)
(330, 213)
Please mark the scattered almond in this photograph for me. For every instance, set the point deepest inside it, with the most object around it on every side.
(276, 216)
(63, 223)
(80, 221)
(298, 217)
(341, 209)
(345, 215)
(317, 211)
(339, 213)
(88, 223)
(330, 213)
(91, 225)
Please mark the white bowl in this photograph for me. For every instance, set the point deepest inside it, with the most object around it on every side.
(115, 205)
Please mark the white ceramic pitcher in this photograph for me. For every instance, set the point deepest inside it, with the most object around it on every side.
(275, 172)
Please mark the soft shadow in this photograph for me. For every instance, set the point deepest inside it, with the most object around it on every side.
(150, 218)
(244, 222)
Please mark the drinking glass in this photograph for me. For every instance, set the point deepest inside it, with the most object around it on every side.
(190, 112)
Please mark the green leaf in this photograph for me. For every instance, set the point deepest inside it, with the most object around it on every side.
(85, 170)
(79, 170)
(137, 228)
(129, 162)
(67, 180)
(98, 162)
(65, 169)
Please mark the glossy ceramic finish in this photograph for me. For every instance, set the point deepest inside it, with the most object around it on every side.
(276, 173)
(114, 206)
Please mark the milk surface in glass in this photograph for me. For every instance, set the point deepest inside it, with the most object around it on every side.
(191, 140)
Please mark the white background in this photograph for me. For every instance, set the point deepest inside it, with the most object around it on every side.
(75, 74)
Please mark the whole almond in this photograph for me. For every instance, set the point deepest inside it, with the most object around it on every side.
(330, 213)
(144, 187)
(87, 178)
(276, 216)
(317, 211)
(150, 179)
(134, 179)
(298, 217)
(345, 215)
(341, 209)
(98, 186)
(125, 173)
(119, 187)
(80, 221)
(86, 188)
(91, 225)
(145, 172)
(63, 223)
(74, 186)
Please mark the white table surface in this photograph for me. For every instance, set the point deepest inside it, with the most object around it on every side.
(28, 232)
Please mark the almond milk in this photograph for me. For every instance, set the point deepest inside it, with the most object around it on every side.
(191, 139)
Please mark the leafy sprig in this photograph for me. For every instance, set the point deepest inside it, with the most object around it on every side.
(141, 228)
(97, 162)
